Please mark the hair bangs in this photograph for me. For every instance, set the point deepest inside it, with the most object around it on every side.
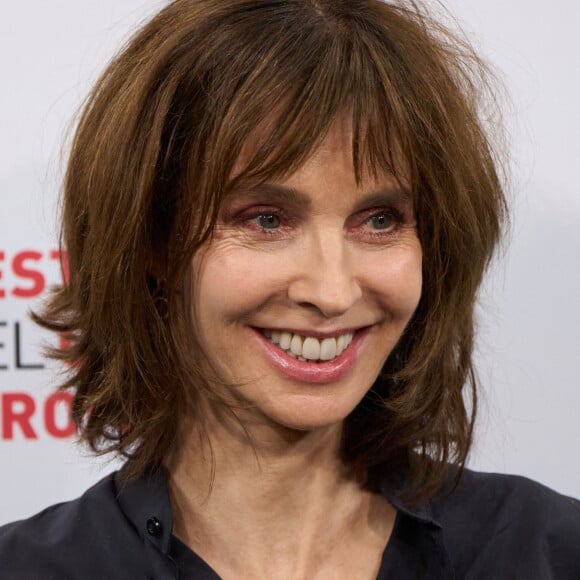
(284, 105)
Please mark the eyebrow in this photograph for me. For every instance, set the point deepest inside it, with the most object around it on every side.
(271, 193)
(276, 193)
(389, 196)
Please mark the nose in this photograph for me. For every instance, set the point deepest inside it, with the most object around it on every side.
(325, 277)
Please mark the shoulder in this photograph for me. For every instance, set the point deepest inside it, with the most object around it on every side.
(501, 520)
(505, 494)
(77, 539)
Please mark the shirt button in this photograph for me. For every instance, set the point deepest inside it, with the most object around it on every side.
(154, 527)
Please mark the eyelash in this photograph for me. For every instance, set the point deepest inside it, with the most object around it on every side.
(395, 215)
(254, 217)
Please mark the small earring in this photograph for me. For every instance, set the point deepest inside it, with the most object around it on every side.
(162, 307)
(159, 299)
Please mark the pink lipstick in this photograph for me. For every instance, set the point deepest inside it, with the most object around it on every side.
(313, 372)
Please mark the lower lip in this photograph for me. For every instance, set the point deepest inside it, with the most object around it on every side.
(314, 372)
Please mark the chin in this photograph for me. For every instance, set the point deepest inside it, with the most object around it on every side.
(310, 414)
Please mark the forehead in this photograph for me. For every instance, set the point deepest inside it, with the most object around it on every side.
(331, 156)
(329, 175)
(326, 177)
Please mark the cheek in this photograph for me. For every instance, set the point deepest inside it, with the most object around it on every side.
(235, 281)
(401, 281)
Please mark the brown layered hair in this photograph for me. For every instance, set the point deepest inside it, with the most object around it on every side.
(151, 162)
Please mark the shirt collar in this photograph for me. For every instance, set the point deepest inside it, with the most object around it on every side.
(146, 503)
(390, 485)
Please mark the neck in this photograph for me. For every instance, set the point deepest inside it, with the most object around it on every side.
(253, 485)
(242, 461)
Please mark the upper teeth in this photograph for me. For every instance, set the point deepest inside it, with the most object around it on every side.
(309, 347)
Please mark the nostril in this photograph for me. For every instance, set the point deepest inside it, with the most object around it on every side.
(327, 296)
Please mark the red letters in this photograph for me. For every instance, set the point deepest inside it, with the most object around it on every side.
(30, 268)
(20, 409)
(62, 257)
(2, 291)
(13, 415)
(50, 412)
(35, 276)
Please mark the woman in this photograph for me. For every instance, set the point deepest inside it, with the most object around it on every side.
(277, 216)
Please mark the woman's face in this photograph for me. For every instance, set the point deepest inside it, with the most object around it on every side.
(307, 286)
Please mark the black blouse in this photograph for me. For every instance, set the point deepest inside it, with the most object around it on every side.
(492, 527)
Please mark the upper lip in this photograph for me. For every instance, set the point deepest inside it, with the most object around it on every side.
(316, 333)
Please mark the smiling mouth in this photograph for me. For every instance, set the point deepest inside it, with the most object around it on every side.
(309, 348)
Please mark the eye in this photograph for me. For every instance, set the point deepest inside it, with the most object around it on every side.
(268, 221)
(381, 221)
(379, 224)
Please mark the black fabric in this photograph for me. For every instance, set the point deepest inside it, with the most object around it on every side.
(491, 527)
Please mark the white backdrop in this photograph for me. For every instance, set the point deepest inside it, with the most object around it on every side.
(529, 346)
